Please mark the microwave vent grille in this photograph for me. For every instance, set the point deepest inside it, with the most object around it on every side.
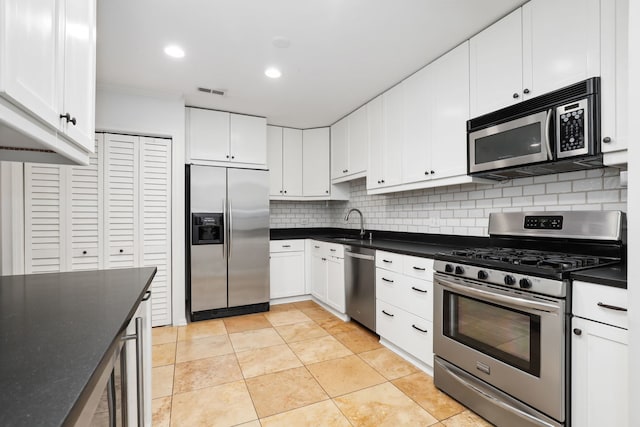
(566, 94)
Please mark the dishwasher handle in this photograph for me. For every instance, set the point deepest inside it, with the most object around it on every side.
(359, 256)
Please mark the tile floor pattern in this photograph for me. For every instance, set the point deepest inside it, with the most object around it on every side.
(297, 365)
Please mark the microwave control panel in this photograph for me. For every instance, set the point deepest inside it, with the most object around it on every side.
(572, 126)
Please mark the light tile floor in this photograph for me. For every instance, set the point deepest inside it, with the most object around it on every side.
(297, 365)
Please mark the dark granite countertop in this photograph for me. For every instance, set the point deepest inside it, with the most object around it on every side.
(416, 244)
(615, 276)
(55, 329)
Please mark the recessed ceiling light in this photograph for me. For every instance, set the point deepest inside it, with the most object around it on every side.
(272, 72)
(174, 51)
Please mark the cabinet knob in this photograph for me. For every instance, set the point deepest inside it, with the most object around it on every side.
(121, 250)
(382, 181)
(233, 157)
(280, 191)
(378, 181)
(227, 156)
(606, 139)
(426, 172)
(345, 170)
(285, 191)
(516, 96)
(432, 172)
(327, 191)
(526, 91)
(68, 118)
(577, 331)
(84, 252)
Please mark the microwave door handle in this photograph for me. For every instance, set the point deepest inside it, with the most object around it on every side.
(548, 134)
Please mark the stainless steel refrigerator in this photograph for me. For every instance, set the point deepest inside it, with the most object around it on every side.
(227, 241)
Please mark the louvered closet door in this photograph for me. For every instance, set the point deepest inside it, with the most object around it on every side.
(155, 222)
(86, 212)
(121, 201)
(44, 218)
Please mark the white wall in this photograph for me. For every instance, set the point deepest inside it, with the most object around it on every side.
(123, 111)
(634, 210)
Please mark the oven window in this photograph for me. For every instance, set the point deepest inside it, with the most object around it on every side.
(503, 333)
(521, 141)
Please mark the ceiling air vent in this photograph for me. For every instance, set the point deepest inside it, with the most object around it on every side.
(211, 91)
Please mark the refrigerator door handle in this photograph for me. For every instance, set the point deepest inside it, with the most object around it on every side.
(224, 226)
(230, 229)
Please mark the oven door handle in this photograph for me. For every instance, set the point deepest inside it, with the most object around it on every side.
(500, 299)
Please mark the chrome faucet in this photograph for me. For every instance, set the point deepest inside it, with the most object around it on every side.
(346, 218)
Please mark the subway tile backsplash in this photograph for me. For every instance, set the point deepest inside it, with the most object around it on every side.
(458, 209)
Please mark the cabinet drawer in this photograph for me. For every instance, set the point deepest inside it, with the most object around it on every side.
(317, 248)
(599, 303)
(422, 268)
(286, 245)
(411, 333)
(389, 261)
(407, 293)
(335, 249)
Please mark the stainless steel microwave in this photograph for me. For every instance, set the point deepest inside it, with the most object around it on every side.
(555, 132)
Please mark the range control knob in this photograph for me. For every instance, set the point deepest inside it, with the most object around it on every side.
(509, 280)
(459, 270)
(482, 275)
(448, 268)
(525, 283)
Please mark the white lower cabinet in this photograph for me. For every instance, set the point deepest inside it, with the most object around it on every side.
(287, 268)
(113, 213)
(327, 273)
(404, 303)
(599, 356)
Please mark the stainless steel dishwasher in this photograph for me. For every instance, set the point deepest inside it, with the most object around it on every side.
(360, 284)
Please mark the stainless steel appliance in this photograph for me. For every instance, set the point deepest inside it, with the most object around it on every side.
(228, 246)
(360, 284)
(501, 313)
(555, 132)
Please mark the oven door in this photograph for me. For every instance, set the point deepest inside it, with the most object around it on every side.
(516, 142)
(513, 340)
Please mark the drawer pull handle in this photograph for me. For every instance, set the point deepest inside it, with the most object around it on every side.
(387, 261)
(332, 250)
(286, 246)
(419, 329)
(324, 259)
(418, 289)
(611, 307)
(387, 280)
(316, 246)
(388, 314)
(419, 268)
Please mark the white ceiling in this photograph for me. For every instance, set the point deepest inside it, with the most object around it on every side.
(342, 52)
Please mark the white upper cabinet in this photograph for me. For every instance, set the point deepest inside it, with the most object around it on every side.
(553, 56)
(31, 79)
(358, 140)
(339, 149)
(614, 80)
(208, 134)
(393, 134)
(274, 159)
(530, 52)
(315, 162)
(496, 65)
(47, 80)
(248, 142)
(417, 127)
(219, 138)
(292, 162)
(349, 146)
(376, 143)
(449, 113)
(79, 72)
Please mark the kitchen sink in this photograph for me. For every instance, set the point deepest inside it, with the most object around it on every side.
(347, 239)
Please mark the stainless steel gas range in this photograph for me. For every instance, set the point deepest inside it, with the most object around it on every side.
(501, 313)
